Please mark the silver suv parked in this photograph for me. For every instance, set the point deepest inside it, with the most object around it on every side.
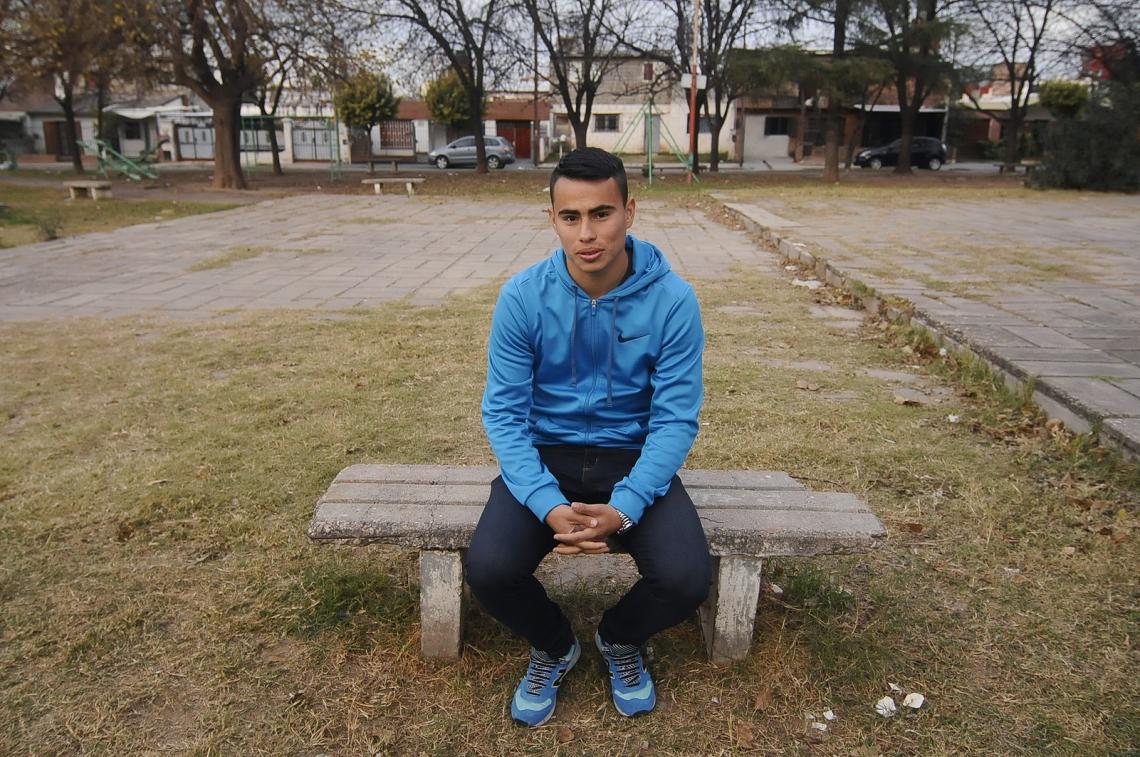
(461, 152)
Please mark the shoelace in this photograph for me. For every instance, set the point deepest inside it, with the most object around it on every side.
(627, 660)
(541, 667)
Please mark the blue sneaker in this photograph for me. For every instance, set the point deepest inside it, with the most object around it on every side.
(630, 682)
(534, 699)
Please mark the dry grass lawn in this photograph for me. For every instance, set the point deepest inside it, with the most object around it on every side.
(159, 593)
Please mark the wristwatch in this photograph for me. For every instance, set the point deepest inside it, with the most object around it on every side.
(626, 523)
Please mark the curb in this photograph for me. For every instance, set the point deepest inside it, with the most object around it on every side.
(1122, 434)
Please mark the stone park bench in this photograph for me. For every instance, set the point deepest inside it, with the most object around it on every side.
(96, 188)
(409, 184)
(748, 516)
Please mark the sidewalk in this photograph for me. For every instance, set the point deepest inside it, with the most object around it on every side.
(1073, 329)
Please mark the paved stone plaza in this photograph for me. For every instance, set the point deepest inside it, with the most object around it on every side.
(320, 251)
(1046, 286)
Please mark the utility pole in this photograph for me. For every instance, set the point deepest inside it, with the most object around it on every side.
(535, 132)
(693, 154)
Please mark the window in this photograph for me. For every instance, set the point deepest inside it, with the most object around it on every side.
(703, 126)
(465, 142)
(606, 122)
(777, 126)
(132, 130)
(647, 72)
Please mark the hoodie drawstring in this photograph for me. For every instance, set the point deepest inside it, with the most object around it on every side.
(610, 363)
(573, 344)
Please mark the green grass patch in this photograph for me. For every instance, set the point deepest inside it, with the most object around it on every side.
(37, 214)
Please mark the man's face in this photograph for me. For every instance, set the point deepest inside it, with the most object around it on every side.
(591, 223)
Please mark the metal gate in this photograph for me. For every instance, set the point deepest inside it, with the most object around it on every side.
(195, 142)
(397, 135)
(312, 142)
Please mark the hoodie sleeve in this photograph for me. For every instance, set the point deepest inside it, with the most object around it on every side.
(678, 391)
(506, 404)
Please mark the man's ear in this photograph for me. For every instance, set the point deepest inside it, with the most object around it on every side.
(550, 215)
(630, 211)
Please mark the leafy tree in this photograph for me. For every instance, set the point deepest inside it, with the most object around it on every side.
(366, 99)
(64, 41)
(908, 35)
(447, 100)
(1064, 99)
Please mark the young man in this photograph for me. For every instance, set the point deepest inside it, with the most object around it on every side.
(593, 390)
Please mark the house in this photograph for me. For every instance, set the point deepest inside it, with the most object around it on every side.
(790, 122)
(32, 122)
(640, 107)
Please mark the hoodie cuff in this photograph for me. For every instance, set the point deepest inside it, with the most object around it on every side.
(544, 500)
(625, 501)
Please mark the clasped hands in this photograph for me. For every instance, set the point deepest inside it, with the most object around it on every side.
(582, 529)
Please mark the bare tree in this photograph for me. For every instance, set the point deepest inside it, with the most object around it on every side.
(581, 42)
(725, 26)
(212, 47)
(465, 36)
(1015, 32)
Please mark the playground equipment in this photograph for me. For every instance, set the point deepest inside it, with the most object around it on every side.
(650, 115)
(111, 159)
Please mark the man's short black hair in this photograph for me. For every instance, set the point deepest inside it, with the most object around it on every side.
(591, 164)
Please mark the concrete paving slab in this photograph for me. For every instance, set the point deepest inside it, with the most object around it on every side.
(1045, 286)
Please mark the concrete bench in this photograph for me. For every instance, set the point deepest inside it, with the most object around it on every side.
(409, 184)
(97, 189)
(748, 516)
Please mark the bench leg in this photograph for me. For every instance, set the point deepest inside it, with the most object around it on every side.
(100, 194)
(441, 603)
(410, 187)
(376, 188)
(728, 615)
(72, 193)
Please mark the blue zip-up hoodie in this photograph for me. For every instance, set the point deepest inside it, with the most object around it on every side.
(623, 370)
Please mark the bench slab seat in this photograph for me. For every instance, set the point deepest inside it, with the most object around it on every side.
(96, 188)
(748, 516)
(408, 182)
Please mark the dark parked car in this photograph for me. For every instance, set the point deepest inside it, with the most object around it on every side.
(925, 152)
(461, 152)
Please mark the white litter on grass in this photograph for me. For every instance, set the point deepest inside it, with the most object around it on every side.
(895, 688)
(914, 700)
(809, 283)
(953, 418)
(819, 726)
(791, 268)
(775, 589)
(942, 352)
(886, 707)
(829, 715)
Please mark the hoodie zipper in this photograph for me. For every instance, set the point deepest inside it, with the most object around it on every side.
(594, 366)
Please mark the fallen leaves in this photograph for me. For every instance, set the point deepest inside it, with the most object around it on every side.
(807, 385)
(564, 734)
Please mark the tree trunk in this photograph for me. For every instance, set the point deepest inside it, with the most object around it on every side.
(227, 144)
(477, 129)
(906, 121)
(580, 128)
(714, 144)
(273, 147)
(1012, 137)
(68, 105)
(831, 141)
